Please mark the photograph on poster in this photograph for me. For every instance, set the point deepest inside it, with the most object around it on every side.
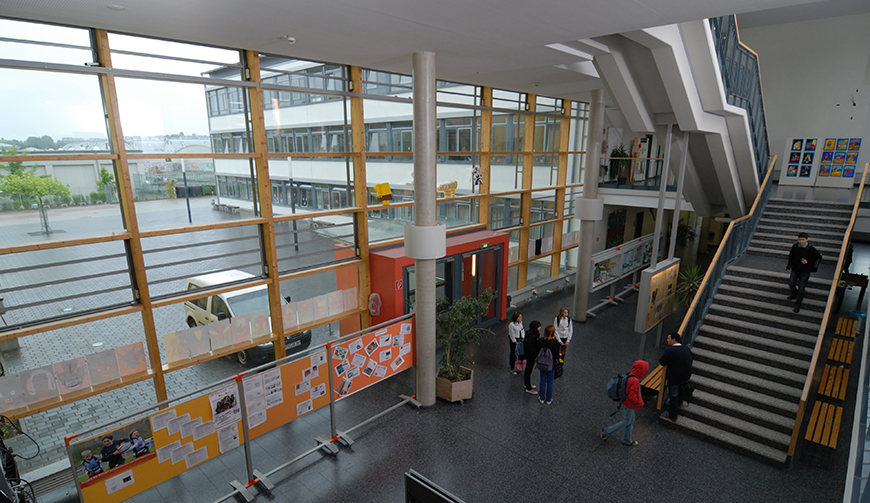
(343, 386)
(369, 368)
(356, 345)
(805, 171)
(112, 450)
(794, 157)
(384, 340)
(839, 158)
(397, 363)
(339, 353)
(810, 145)
(855, 144)
(792, 170)
(830, 144)
(398, 340)
(849, 171)
(380, 371)
(386, 355)
(311, 372)
(824, 170)
(359, 360)
(808, 158)
(836, 170)
(318, 391)
(341, 368)
(225, 406)
(797, 144)
(827, 157)
(851, 158)
(842, 144)
(372, 347)
(352, 372)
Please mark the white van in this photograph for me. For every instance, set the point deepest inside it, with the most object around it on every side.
(224, 306)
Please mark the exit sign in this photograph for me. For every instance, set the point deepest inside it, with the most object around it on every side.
(484, 245)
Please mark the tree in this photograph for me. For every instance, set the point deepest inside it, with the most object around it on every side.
(29, 184)
(106, 182)
(15, 167)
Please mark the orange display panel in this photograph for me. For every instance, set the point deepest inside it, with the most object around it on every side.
(372, 357)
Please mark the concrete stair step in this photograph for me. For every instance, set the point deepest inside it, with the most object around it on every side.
(765, 319)
(777, 422)
(788, 335)
(799, 225)
(737, 426)
(804, 205)
(810, 310)
(738, 378)
(806, 217)
(779, 277)
(777, 288)
(829, 241)
(799, 350)
(825, 250)
(757, 399)
(768, 296)
(728, 439)
(750, 367)
(790, 233)
(751, 354)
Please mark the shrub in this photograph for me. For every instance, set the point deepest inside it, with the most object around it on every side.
(94, 196)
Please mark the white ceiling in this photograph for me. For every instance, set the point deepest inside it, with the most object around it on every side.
(499, 43)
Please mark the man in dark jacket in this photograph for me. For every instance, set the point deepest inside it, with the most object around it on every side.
(803, 259)
(678, 359)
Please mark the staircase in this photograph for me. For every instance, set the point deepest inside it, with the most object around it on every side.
(752, 353)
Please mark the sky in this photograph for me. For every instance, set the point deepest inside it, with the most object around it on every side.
(57, 104)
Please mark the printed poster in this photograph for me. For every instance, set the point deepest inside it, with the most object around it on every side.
(225, 406)
(102, 367)
(131, 359)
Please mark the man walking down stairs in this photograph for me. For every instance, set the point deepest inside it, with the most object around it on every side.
(752, 352)
(803, 259)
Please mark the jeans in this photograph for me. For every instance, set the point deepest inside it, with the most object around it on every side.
(545, 387)
(797, 284)
(674, 400)
(627, 422)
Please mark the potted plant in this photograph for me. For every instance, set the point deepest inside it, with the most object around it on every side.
(619, 160)
(456, 328)
(690, 280)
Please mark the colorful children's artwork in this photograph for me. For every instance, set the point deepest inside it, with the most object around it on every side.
(839, 158)
(792, 170)
(843, 144)
(824, 170)
(11, 392)
(797, 145)
(220, 333)
(351, 299)
(241, 328)
(827, 157)
(260, 326)
(336, 303)
(175, 346)
(795, 157)
(72, 375)
(810, 145)
(808, 158)
(40, 383)
(102, 366)
(305, 311)
(851, 158)
(849, 171)
(837, 170)
(288, 313)
(805, 171)
(131, 359)
(830, 144)
(855, 144)
(197, 341)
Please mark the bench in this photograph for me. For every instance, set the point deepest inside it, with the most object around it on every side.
(841, 351)
(835, 379)
(847, 327)
(50, 477)
(824, 427)
(653, 383)
(232, 209)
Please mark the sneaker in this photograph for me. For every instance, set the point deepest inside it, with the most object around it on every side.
(541, 400)
(797, 308)
(514, 372)
(531, 391)
(603, 436)
(633, 444)
(549, 402)
(533, 386)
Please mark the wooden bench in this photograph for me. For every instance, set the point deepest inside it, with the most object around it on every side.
(841, 351)
(835, 379)
(654, 380)
(847, 327)
(824, 427)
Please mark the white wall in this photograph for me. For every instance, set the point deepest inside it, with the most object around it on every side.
(807, 68)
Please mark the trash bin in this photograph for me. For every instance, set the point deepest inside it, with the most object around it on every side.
(180, 191)
(195, 190)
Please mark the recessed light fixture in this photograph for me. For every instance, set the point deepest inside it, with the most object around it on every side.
(290, 40)
(97, 344)
(116, 7)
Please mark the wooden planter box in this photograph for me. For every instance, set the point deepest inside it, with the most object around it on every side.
(455, 391)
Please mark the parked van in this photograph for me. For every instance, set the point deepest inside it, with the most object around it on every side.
(224, 306)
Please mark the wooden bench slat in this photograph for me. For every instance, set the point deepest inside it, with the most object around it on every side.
(824, 381)
(835, 432)
(652, 377)
(815, 415)
(844, 383)
(829, 420)
(850, 346)
(829, 386)
(840, 326)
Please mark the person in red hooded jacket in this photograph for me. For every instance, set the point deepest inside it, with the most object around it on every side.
(633, 401)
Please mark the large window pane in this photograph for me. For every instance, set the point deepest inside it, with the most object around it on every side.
(319, 299)
(23, 34)
(47, 284)
(160, 56)
(389, 128)
(312, 242)
(504, 211)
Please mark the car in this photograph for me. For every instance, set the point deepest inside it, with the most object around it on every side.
(226, 305)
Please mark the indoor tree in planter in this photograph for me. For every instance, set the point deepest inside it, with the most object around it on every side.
(456, 328)
(689, 282)
(619, 160)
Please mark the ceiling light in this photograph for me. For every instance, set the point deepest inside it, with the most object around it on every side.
(290, 40)
(116, 7)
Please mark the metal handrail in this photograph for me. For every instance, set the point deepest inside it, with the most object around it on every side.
(825, 320)
(734, 244)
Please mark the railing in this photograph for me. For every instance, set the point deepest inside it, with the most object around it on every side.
(734, 244)
(741, 77)
(643, 173)
(828, 307)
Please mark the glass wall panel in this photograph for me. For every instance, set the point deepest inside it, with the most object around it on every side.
(571, 194)
(225, 255)
(174, 192)
(513, 273)
(313, 242)
(168, 117)
(458, 213)
(317, 298)
(539, 270)
(514, 247)
(452, 92)
(385, 83)
(505, 211)
(73, 44)
(152, 55)
(389, 128)
(543, 206)
(388, 222)
(48, 120)
(576, 165)
(548, 133)
(540, 240)
(47, 284)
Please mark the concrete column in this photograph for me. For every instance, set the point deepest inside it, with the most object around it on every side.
(660, 212)
(589, 206)
(677, 201)
(425, 240)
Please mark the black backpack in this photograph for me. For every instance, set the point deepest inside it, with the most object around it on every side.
(544, 360)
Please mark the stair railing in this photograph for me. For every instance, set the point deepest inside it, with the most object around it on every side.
(734, 244)
(825, 320)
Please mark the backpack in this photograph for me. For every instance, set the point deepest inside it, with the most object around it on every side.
(616, 389)
(544, 360)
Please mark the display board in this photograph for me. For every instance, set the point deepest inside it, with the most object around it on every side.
(613, 264)
(657, 297)
(362, 361)
(821, 162)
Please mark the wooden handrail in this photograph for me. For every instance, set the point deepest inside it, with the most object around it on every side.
(832, 292)
(727, 235)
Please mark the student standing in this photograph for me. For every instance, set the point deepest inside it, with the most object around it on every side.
(633, 402)
(532, 344)
(678, 359)
(803, 259)
(516, 333)
(564, 328)
(545, 387)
